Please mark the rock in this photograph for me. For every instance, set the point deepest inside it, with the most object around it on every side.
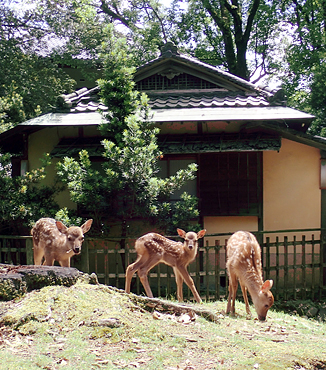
(312, 312)
(322, 313)
(15, 281)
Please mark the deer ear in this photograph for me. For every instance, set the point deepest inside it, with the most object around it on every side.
(86, 226)
(267, 286)
(181, 233)
(201, 233)
(61, 227)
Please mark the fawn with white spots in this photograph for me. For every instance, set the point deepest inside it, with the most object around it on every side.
(244, 265)
(153, 249)
(56, 242)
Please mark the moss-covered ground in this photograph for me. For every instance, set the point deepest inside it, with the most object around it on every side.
(94, 327)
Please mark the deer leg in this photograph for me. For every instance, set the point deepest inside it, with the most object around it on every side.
(233, 286)
(145, 266)
(38, 255)
(65, 263)
(48, 259)
(144, 280)
(48, 262)
(131, 269)
(188, 280)
(245, 297)
(234, 295)
(228, 308)
(179, 281)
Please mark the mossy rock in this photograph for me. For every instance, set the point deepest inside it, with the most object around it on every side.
(15, 281)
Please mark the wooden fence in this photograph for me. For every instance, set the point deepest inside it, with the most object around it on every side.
(294, 259)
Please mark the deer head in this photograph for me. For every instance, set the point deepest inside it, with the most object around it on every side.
(264, 300)
(74, 235)
(191, 237)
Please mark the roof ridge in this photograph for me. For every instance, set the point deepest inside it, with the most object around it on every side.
(170, 50)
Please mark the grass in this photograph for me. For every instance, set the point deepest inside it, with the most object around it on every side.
(60, 327)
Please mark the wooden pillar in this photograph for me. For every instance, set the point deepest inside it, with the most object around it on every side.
(260, 236)
(323, 224)
(29, 251)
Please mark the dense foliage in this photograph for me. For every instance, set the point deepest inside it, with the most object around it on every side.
(23, 199)
(127, 186)
(305, 78)
(29, 80)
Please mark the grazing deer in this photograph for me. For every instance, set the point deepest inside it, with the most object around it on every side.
(153, 249)
(244, 265)
(56, 242)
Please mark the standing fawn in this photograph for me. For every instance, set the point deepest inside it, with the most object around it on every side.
(153, 249)
(56, 242)
(244, 265)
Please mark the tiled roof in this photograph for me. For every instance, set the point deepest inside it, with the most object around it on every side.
(83, 100)
(87, 100)
(238, 93)
(205, 100)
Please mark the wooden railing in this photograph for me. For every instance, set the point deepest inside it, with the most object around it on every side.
(294, 259)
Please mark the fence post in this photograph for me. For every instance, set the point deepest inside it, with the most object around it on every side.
(294, 267)
(207, 271)
(323, 233)
(286, 268)
(304, 282)
(268, 260)
(277, 285)
(323, 255)
(84, 259)
(313, 266)
(217, 270)
(29, 252)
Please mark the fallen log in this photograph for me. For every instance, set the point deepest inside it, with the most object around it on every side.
(156, 304)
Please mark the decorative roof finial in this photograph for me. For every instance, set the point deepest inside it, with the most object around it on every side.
(169, 49)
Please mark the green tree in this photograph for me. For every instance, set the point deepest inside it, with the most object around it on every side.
(305, 79)
(11, 108)
(78, 28)
(227, 33)
(29, 81)
(23, 199)
(130, 186)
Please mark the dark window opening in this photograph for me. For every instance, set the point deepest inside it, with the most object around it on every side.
(230, 183)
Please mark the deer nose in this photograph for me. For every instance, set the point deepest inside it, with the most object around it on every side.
(77, 250)
(261, 318)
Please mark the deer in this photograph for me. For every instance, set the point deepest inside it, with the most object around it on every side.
(153, 249)
(244, 265)
(56, 242)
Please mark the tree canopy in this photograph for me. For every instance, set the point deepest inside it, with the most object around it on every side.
(29, 83)
(304, 78)
(253, 39)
